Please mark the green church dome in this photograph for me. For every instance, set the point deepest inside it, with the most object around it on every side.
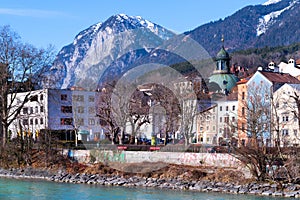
(222, 55)
(225, 81)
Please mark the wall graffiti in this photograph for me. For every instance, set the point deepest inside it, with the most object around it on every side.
(108, 156)
(209, 159)
(195, 159)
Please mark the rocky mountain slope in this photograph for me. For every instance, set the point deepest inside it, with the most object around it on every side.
(96, 47)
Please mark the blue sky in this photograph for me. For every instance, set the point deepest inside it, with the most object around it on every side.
(57, 22)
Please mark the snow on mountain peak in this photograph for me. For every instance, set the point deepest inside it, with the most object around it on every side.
(138, 21)
(267, 20)
(271, 2)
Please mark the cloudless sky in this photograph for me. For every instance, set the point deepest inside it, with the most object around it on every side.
(57, 22)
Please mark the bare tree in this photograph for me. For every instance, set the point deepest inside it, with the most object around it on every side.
(256, 112)
(20, 67)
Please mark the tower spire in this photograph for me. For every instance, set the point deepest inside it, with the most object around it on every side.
(222, 40)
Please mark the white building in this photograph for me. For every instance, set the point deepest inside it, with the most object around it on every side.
(219, 123)
(207, 126)
(61, 111)
(227, 113)
(284, 113)
(292, 67)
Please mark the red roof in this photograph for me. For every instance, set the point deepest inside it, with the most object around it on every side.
(280, 77)
(242, 81)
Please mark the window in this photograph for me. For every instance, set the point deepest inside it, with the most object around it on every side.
(227, 108)
(226, 119)
(233, 108)
(220, 108)
(66, 121)
(36, 121)
(207, 128)
(91, 121)
(285, 132)
(243, 95)
(214, 128)
(243, 126)
(207, 139)
(243, 142)
(34, 98)
(31, 121)
(41, 121)
(80, 122)
(63, 97)
(232, 129)
(220, 119)
(285, 118)
(295, 132)
(91, 98)
(98, 122)
(80, 109)
(66, 109)
(91, 110)
(233, 119)
(243, 111)
(25, 121)
(277, 105)
(42, 109)
(25, 111)
(42, 97)
(31, 110)
(78, 97)
(36, 109)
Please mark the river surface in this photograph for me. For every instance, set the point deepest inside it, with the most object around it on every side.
(15, 189)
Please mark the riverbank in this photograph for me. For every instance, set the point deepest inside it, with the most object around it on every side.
(200, 182)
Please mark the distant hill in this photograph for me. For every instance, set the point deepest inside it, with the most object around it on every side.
(254, 57)
(271, 24)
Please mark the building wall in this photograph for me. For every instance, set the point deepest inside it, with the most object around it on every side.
(283, 111)
(242, 112)
(32, 117)
(258, 103)
(290, 68)
(59, 110)
(207, 126)
(227, 119)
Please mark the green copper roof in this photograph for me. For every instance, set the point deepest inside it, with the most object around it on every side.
(222, 55)
(225, 81)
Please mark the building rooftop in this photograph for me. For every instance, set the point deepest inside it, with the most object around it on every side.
(280, 77)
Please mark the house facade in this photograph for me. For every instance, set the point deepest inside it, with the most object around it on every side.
(63, 112)
(256, 105)
(286, 114)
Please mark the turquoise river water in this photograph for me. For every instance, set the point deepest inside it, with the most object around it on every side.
(15, 189)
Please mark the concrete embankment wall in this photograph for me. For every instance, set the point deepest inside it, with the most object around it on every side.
(194, 159)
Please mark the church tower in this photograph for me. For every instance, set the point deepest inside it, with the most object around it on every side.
(222, 75)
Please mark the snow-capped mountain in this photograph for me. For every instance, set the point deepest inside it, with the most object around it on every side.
(271, 2)
(82, 62)
(273, 23)
(122, 40)
(267, 20)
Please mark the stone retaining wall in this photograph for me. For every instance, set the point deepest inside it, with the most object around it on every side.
(184, 158)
